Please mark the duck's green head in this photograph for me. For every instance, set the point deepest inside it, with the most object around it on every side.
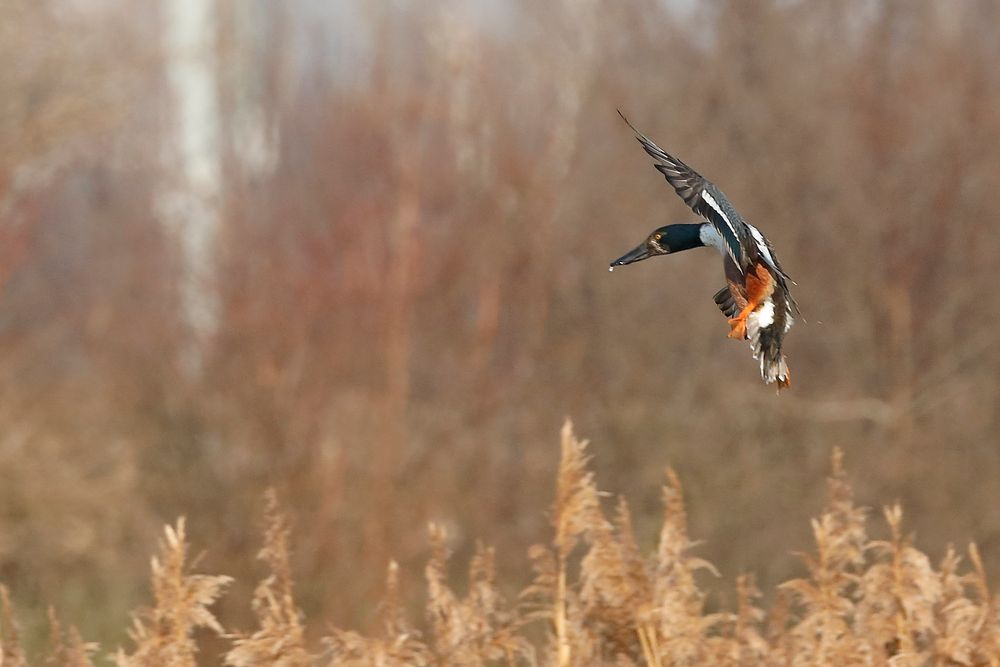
(663, 241)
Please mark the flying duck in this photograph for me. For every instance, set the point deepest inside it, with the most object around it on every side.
(756, 299)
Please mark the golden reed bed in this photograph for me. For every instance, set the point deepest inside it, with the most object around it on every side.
(594, 600)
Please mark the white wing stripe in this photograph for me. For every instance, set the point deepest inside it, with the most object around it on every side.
(761, 244)
(710, 200)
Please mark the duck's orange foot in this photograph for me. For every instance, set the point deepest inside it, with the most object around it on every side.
(738, 329)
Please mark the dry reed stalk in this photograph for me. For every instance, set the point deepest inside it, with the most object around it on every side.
(575, 507)
(68, 649)
(11, 653)
(562, 635)
(898, 595)
(280, 639)
(749, 646)
(647, 638)
(573, 495)
(957, 615)
(987, 635)
(614, 583)
(163, 634)
(476, 629)
(677, 601)
(398, 645)
(826, 596)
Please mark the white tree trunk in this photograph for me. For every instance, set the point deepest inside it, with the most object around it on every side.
(189, 206)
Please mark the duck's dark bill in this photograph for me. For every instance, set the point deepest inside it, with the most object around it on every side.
(639, 253)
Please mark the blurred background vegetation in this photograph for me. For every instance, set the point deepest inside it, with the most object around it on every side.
(357, 251)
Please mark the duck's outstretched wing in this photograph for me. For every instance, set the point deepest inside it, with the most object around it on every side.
(702, 196)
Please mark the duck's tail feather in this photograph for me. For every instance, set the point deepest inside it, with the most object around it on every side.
(765, 342)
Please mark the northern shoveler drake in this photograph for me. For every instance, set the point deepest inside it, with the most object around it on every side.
(756, 299)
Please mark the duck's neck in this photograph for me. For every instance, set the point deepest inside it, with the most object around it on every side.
(684, 237)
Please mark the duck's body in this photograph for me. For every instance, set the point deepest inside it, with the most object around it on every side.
(756, 299)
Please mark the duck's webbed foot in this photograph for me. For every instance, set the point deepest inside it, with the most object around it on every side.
(738, 327)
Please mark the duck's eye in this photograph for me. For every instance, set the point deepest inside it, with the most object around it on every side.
(657, 237)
